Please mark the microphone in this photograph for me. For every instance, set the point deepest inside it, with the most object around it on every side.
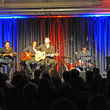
(87, 38)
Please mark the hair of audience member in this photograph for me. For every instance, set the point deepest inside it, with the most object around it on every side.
(98, 102)
(30, 91)
(107, 87)
(23, 72)
(108, 74)
(63, 104)
(45, 87)
(37, 73)
(96, 70)
(74, 73)
(89, 75)
(15, 73)
(46, 75)
(66, 76)
(54, 74)
(2, 98)
(3, 79)
(19, 80)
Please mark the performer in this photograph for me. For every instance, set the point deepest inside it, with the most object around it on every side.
(7, 56)
(49, 50)
(83, 57)
(28, 56)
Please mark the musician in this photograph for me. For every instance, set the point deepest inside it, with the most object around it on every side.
(49, 50)
(7, 56)
(83, 56)
(30, 49)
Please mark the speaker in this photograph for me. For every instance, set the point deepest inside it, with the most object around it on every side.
(108, 62)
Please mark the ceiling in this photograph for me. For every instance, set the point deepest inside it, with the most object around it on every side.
(41, 1)
(52, 7)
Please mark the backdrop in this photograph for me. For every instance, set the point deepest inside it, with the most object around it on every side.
(67, 35)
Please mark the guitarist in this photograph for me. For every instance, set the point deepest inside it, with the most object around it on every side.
(27, 50)
(49, 61)
(7, 56)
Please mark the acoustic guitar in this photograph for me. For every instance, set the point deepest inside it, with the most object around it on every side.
(27, 56)
(8, 54)
(39, 56)
(42, 55)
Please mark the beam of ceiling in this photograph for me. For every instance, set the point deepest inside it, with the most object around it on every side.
(49, 8)
(49, 4)
(52, 11)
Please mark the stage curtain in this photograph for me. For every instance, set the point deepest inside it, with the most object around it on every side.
(99, 39)
(67, 34)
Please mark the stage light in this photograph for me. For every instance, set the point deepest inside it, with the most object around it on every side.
(14, 17)
(94, 15)
(76, 15)
(54, 16)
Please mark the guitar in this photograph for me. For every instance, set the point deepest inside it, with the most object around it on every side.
(42, 55)
(8, 54)
(39, 56)
(27, 56)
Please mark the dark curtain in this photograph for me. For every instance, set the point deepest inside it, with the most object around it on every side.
(67, 35)
(99, 34)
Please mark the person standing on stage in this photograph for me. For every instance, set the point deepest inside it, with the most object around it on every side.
(30, 49)
(7, 56)
(49, 50)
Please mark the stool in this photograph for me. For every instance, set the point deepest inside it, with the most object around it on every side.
(33, 68)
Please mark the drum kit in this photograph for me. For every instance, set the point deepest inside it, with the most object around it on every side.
(79, 65)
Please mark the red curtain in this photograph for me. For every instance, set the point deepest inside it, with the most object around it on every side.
(58, 35)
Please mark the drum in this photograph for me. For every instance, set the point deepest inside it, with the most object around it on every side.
(79, 63)
(71, 66)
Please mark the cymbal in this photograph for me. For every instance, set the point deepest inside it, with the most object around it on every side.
(86, 56)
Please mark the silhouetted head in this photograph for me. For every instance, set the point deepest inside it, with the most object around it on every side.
(66, 76)
(19, 80)
(30, 91)
(98, 102)
(96, 70)
(89, 75)
(74, 74)
(37, 73)
(63, 104)
(108, 74)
